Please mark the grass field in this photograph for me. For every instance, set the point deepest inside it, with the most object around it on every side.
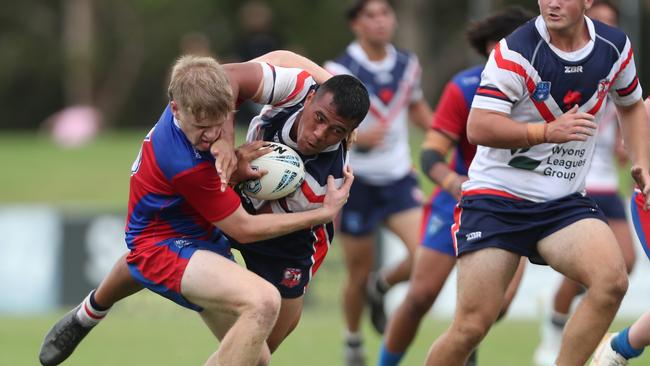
(148, 330)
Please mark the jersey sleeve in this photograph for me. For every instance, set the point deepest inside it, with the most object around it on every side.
(451, 112)
(284, 87)
(416, 93)
(626, 89)
(200, 186)
(502, 84)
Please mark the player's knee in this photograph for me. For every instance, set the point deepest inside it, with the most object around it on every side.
(611, 286)
(264, 305)
(472, 331)
(420, 301)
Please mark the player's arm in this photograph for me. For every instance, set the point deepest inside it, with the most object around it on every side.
(247, 228)
(435, 147)
(420, 113)
(635, 127)
(496, 129)
(291, 59)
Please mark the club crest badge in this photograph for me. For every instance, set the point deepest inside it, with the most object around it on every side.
(291, 277)
(542, 91)
(603, 88)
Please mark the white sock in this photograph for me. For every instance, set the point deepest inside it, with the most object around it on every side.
(88, 315)
(353, 339)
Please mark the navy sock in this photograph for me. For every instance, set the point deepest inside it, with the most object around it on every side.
(621, 344)
(388, 358)
(94, 303)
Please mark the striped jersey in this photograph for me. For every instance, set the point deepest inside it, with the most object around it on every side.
(285, 91)
(530, 80)
(393, 84)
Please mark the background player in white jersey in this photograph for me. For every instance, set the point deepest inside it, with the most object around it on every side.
(316, 125)
(387, 192)
(544, 86)
(602, 185)
(618, 348)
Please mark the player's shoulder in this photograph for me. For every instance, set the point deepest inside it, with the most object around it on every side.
(524, 39)
(172, 150)
(468, 78)
(610, 35)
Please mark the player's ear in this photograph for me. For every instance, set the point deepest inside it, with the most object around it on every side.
(174, 107)
(310, 96)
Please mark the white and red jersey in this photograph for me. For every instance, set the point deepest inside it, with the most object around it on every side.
(530, 80)
(284, 93)
(602, 176)
(393, 84)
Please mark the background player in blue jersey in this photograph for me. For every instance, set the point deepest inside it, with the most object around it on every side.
(436, 257)
(176, 205)
(617, 348)
(543, 89)
(603, 186)
(386, 191)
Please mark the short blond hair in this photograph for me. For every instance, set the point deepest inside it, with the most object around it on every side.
(199, 86)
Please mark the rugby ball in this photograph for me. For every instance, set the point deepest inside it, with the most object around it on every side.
(286, 172)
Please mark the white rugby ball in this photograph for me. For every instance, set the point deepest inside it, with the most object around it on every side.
(286, 172)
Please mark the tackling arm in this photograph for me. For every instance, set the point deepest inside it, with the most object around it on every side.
(290, 59)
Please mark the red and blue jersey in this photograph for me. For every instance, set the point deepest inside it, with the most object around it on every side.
(450, 119)
(174, 190)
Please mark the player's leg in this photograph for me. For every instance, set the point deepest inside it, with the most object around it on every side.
(221, 287)
(288, 319)
(483, 277)
(430, 271)
(358, 253)
(586, 251)
(70, 330)
(406, 225)
(402, 215)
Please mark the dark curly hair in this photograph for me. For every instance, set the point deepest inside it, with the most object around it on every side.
(495, 27)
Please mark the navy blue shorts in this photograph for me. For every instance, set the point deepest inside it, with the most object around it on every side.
(288, 262)
(437, 219)
(610, 203)
(516, 225)
(369, 205)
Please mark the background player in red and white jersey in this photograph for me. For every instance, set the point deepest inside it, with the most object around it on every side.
(436, 257)
(616, 349)
(386, 192)
(533, 118)
(602, 185)
(177, 199)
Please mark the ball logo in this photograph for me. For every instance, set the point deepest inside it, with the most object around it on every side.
(285, 172)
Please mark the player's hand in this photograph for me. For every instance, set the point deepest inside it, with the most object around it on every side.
(642, 179)
(335, 198)
(225, 160)
(245, 154)
(372, 137)
(457, 186)
(571, 126)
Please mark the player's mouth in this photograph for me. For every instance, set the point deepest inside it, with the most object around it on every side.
(554, 17)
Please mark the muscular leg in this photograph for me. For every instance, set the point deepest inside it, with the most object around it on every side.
(586, 252)
(569, 289)
(290, 312)
(513, 287)
(406, 225)
(430, 272)
(221, 287)
(117, 285)
(359, 259)
(483, 277)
